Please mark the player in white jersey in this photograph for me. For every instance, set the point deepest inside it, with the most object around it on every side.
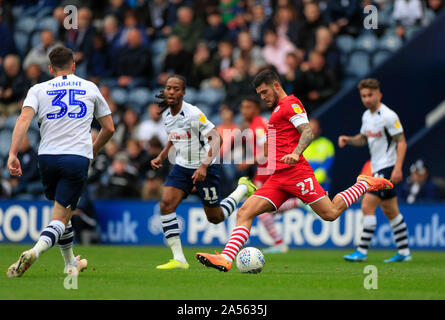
(383, 133)
(65, 107)
(197, 143)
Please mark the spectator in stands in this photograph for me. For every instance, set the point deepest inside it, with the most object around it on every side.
(435, 6)
(229, 9)
(215, 31)
(131, 22)
(128, 128)
(6, 37)
(312, 21)
(249, 52)
(35, 75)
(320, 155)
(344, 16)
(318, 82)
(112, 34)
(325, 44)
(291, 78)
(99, 61)
(80, 40)
(188, 29)
(203, 66)
(154, 179)
(286, 24)
(117, 8)
(5, 188)
(133, 63)
(419, 187)
(39, 54)
(28, 185)
(116, 113)
(152, 127)
(122, 180)
(239, 85)
(224, 58)
(276, 49)
(138, 157)
(13, 86)
(407, 14)
(177, 60)
(97, 172)
(258, 24)
(153, 15)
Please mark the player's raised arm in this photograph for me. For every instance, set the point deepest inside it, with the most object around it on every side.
(19, 133)
(358, 140)
(105, 133)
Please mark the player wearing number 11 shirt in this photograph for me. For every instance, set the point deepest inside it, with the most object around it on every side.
(65, 107)
(288, 135)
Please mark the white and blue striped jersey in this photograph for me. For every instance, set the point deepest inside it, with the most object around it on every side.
(65, 107)
(187, 130)
(379, 127)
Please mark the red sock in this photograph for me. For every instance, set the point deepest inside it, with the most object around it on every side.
(268, 221)
(352, 194)
(237, 239)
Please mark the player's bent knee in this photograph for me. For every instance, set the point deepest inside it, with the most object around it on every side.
(328, 215)
(166, 207)
(215, 219)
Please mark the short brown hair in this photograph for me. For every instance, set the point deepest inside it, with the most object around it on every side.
(61, 58)
(369, 83)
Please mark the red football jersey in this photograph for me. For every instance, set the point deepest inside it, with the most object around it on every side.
(282, 134)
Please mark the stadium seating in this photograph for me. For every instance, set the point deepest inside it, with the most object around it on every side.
(358, 64)
(379, 57)
(367, 42)
(345, 43)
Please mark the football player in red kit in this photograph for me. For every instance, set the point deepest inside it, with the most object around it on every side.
(288, 135)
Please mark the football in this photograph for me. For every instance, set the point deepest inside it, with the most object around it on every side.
(250, 260)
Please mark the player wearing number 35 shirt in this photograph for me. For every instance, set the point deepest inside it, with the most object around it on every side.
(288, 135)
(65, 107)
(196, 143)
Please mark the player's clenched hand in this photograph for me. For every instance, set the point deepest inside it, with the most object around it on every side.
(200, 174)
(290, 158)
(14, 166)
(342, 141)
(156, 163)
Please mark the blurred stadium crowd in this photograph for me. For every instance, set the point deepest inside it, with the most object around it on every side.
(128, 48)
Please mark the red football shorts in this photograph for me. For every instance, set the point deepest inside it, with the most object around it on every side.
(290, 183)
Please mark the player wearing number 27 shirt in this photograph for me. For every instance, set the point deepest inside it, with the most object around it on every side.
(288, 135)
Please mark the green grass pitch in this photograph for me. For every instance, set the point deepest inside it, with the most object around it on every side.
(129, 273)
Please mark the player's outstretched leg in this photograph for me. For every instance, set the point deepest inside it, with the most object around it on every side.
(248, 211)
(48, 238)
(72, 264)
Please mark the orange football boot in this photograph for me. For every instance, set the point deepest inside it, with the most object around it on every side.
(214, 260)
(376, 183)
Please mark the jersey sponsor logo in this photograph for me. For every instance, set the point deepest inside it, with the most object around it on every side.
(371, 134)
(297, 108)
(174, 136)
(276, 109)
(397, 124)
(202, 118)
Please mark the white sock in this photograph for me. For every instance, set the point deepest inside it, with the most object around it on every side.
(239, 193)
(66, 245)
(49, 236)
(176, 247)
